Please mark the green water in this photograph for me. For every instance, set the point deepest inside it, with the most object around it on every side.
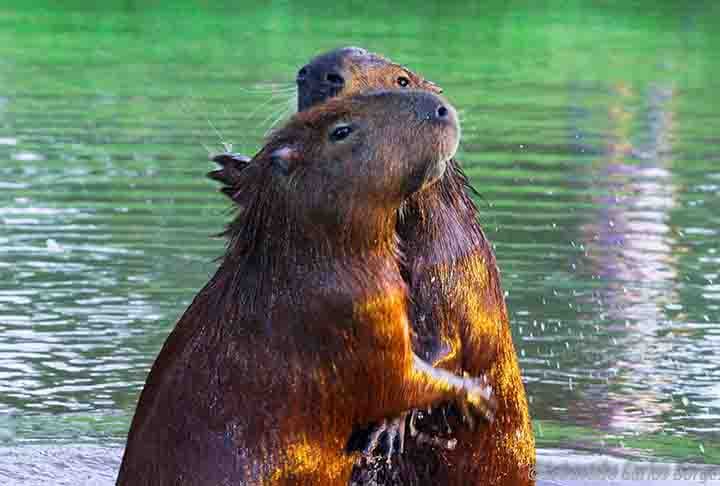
(591, 133)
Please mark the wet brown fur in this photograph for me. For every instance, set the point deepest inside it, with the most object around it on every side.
(302, 333)
(458, 314)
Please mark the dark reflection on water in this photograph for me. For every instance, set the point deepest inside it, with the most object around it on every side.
(595, 151)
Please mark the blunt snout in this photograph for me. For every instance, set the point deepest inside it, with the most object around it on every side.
(433, 108)
(317, 82)
(329, 77)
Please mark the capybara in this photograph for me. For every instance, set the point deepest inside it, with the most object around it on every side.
(458, 313)
(302, 334)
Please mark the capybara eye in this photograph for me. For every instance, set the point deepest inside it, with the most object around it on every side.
(403, 81)
(340, 133)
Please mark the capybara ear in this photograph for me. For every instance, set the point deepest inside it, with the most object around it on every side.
(285, 158)
(231, 166)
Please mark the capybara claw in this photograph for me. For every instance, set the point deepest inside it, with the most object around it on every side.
(391, 430)
(480, 398)
(411, 425)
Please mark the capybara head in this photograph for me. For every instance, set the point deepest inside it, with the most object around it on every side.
(361, 154)
(350, 70)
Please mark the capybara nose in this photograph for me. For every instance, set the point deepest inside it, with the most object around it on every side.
(433, 109)
(302, 75)
(334, 79)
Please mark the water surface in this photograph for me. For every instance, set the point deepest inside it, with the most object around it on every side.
(590, 132)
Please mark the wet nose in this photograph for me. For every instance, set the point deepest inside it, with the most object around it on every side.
(331, 77)
(432, 108)
(334, 79)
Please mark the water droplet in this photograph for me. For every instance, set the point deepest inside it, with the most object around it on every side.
(27, 156)
(53, 246)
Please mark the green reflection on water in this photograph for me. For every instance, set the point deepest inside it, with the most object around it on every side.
(590, 132)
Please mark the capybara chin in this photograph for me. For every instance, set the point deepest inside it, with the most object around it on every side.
(302, 334)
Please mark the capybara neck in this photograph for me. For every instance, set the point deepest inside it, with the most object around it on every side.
(272, 230)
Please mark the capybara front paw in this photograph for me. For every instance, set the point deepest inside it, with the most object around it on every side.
(385, 434)
(479, 400)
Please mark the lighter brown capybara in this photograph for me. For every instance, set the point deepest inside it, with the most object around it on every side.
(458, 313)
(302, 334)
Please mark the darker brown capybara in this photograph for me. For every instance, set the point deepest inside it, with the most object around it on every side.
(302, 335)
(458, 312)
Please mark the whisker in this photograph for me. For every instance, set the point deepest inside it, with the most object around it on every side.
(274, 111)
(185, 109)
(281, 93)
(267, 89)
(277, 119)
(260, 106)
(226, 145)
(276, 115)
(283, 114)
(210, 152)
